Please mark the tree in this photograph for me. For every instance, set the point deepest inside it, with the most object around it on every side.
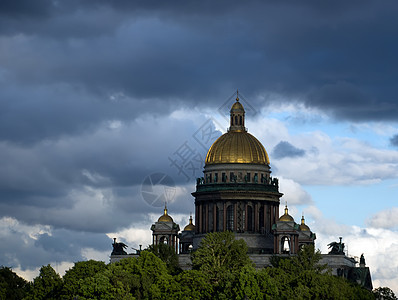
(221, 257)
(384, 293)
(167, 254)
(193, 284)
(145, 277)
(47, 285)
(247, 284)
(11, 285)
(75, 277)
(302, 277)
(306, 259)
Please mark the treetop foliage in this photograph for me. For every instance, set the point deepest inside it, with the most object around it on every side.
(221, 270)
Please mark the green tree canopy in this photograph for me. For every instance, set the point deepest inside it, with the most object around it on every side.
(303, 277)
(220, 257)
(75, 277)
(11, 285)
(384, 293)
(45, 286)
(167, 254)
(145, 277)
(219, 253)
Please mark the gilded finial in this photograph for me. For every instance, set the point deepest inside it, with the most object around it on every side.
(165, 208)
(302, 220)
(237, 95)
(190, 219)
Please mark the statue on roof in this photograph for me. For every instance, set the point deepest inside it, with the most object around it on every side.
(118, 248)
(362, 261)
(336, 247)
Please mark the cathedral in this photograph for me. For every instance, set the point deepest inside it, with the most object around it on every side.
(237, 193)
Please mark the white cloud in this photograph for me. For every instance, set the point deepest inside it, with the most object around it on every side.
(379, 128)
(328, 160)
(134, 236)
(379, 246)
(30, 274)
(91, 253)
(384, 219)
(293, 192)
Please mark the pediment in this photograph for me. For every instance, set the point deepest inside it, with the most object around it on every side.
(285, 226)
(163, 226)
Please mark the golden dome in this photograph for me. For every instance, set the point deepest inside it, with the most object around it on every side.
(165, 217)
(237, 106)
(237, 147)
(190, 226)
(286, 217)
(302, 226)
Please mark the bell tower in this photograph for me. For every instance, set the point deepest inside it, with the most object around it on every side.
(165, 231)
(237, 116)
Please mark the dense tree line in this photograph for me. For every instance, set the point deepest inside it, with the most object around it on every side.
(221, 269)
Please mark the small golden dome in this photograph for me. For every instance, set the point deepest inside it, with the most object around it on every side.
(165, 217)
(302, 226)
(237, 106)
(286, 217)
(190, 226)
(237, 147)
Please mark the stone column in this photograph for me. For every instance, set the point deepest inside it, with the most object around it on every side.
(200, 218)
(256, 227)
(235, 217)
(246, 217)
(265, 218)
(224, 217)
(272, 216)
(215, 217)
(207, 217)
(197, 218)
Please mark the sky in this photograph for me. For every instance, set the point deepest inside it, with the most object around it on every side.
(100, 99)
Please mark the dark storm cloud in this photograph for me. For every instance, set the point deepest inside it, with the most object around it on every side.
(285, 149)
(394, 140)
(338, 57)
(20, 249)
(92, 182)
(25, 8)
(87, 89)
(70, 242)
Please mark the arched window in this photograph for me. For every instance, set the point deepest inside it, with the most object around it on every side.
(240, 120)
(230, 217)
(236, 120)
(249, 218)
(285, 245)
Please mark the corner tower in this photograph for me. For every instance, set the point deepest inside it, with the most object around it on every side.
(237, 192)
(165, 231)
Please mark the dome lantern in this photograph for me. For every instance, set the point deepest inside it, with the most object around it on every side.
(286, 217)
(303, 226)
(190, 226)
(237, 145)
(165, 217)
(237, 116)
